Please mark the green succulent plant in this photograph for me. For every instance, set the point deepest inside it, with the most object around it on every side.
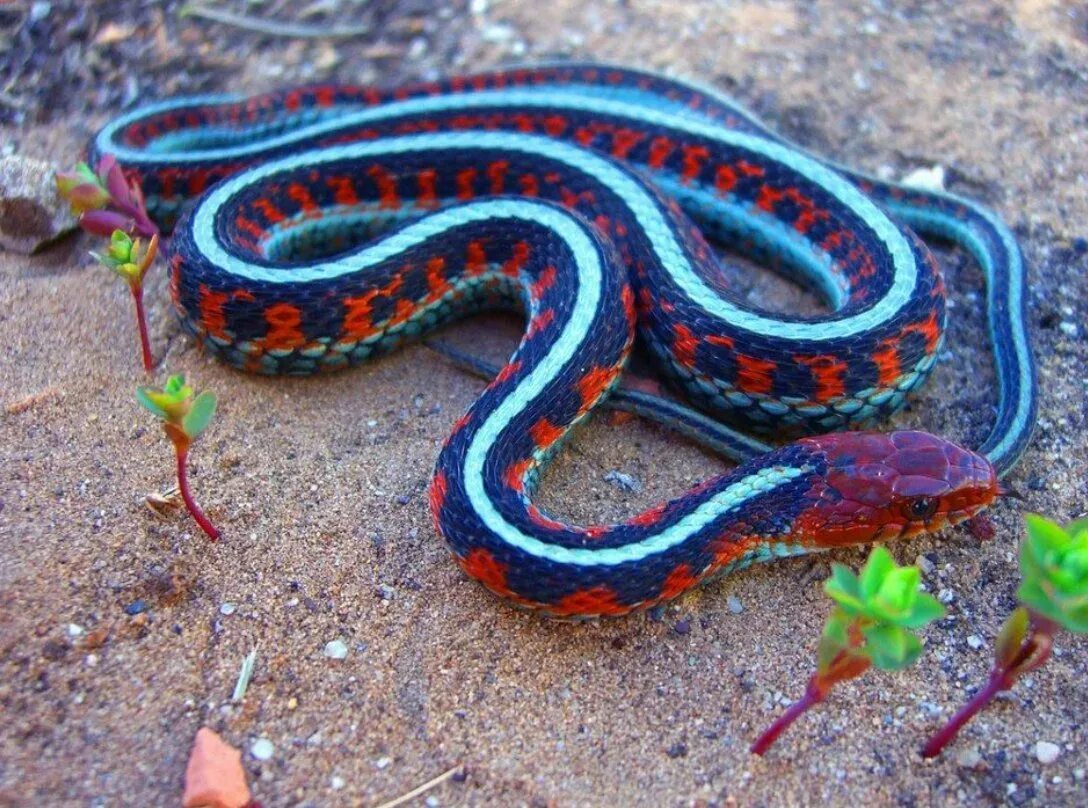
(871, 625)
(1053, 595)
(110, 205)
(184, 417)
(1054, 570)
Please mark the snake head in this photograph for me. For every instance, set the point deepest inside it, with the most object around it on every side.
(881, 486)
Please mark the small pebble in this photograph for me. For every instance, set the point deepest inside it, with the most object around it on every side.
(735, 606)
(1047, 752)
(431, 802)
(262, 749)
(925, 179)
(925, 565)
(625, 482)
(677, 750)
(975, 641)
(74, 630)
(969, 758)
(136, 607)
(382, 762)
(335, 649)
(682, 626)
(337, 783)
(228, 609)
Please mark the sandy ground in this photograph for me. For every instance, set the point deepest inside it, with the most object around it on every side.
(319, 484)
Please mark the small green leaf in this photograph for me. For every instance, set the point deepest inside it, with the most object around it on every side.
(200, 414)
(876, 569)
(897, 593)
(833, 640)
(174, 384)
(923, 611)
(842, 587)
(1077, 526)
(1011, 637)
(890, 647)
(144, 398)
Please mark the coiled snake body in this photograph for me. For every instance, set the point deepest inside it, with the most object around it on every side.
(335, 222)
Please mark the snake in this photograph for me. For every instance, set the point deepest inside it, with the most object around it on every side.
(318, 227)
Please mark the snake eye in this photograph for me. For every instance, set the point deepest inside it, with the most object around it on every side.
(922, 508)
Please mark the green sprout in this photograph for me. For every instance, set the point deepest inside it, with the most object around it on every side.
(1053, 595)
(871, 626)
(108, 204)
(130, 260)
(184, 418)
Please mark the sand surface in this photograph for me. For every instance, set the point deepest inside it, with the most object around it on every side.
(319, 485)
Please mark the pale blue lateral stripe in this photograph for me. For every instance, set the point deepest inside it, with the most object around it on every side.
(657, 229)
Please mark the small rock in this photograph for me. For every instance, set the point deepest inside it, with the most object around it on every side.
(337, 783)
(214, 777)
(625, 482)
(969, 758)
(974, 641)
(682, 626)
(382, 762)
(32, 214)
(735, 606)
(925, 565)
(74, 630)
(228, 609)
(677, 750)
(335, 649)
(137, 607)
(925, 179)
(1047, 752)
(262, 749)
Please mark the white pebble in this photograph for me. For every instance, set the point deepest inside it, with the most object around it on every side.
(382, 762)
(735, 606)
(975, 641)
(337, 783)
(1047, 752)
(74, 630)
(335, 649)
(925, 179)
(228, 609)
(262, 749)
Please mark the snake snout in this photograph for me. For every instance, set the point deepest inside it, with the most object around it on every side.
(883, 486)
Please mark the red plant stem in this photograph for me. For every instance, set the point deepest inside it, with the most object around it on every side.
(948, 732)
(141, 322)
(1032, 654)
(190, 503)
(814, 694)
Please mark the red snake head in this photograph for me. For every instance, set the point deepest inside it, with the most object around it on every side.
(891, 485)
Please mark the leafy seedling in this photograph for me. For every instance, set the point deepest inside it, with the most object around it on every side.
(130, 260)
(1053, 595)
(184, 418)
(107, 204)
(871, 626)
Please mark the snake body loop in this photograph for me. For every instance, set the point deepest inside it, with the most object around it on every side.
(333, 223)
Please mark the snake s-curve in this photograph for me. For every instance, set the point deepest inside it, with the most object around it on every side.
(340, 221)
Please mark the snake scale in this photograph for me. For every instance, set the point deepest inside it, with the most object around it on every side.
(319, 227)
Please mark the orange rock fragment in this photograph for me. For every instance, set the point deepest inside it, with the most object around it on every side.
(214, 777)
